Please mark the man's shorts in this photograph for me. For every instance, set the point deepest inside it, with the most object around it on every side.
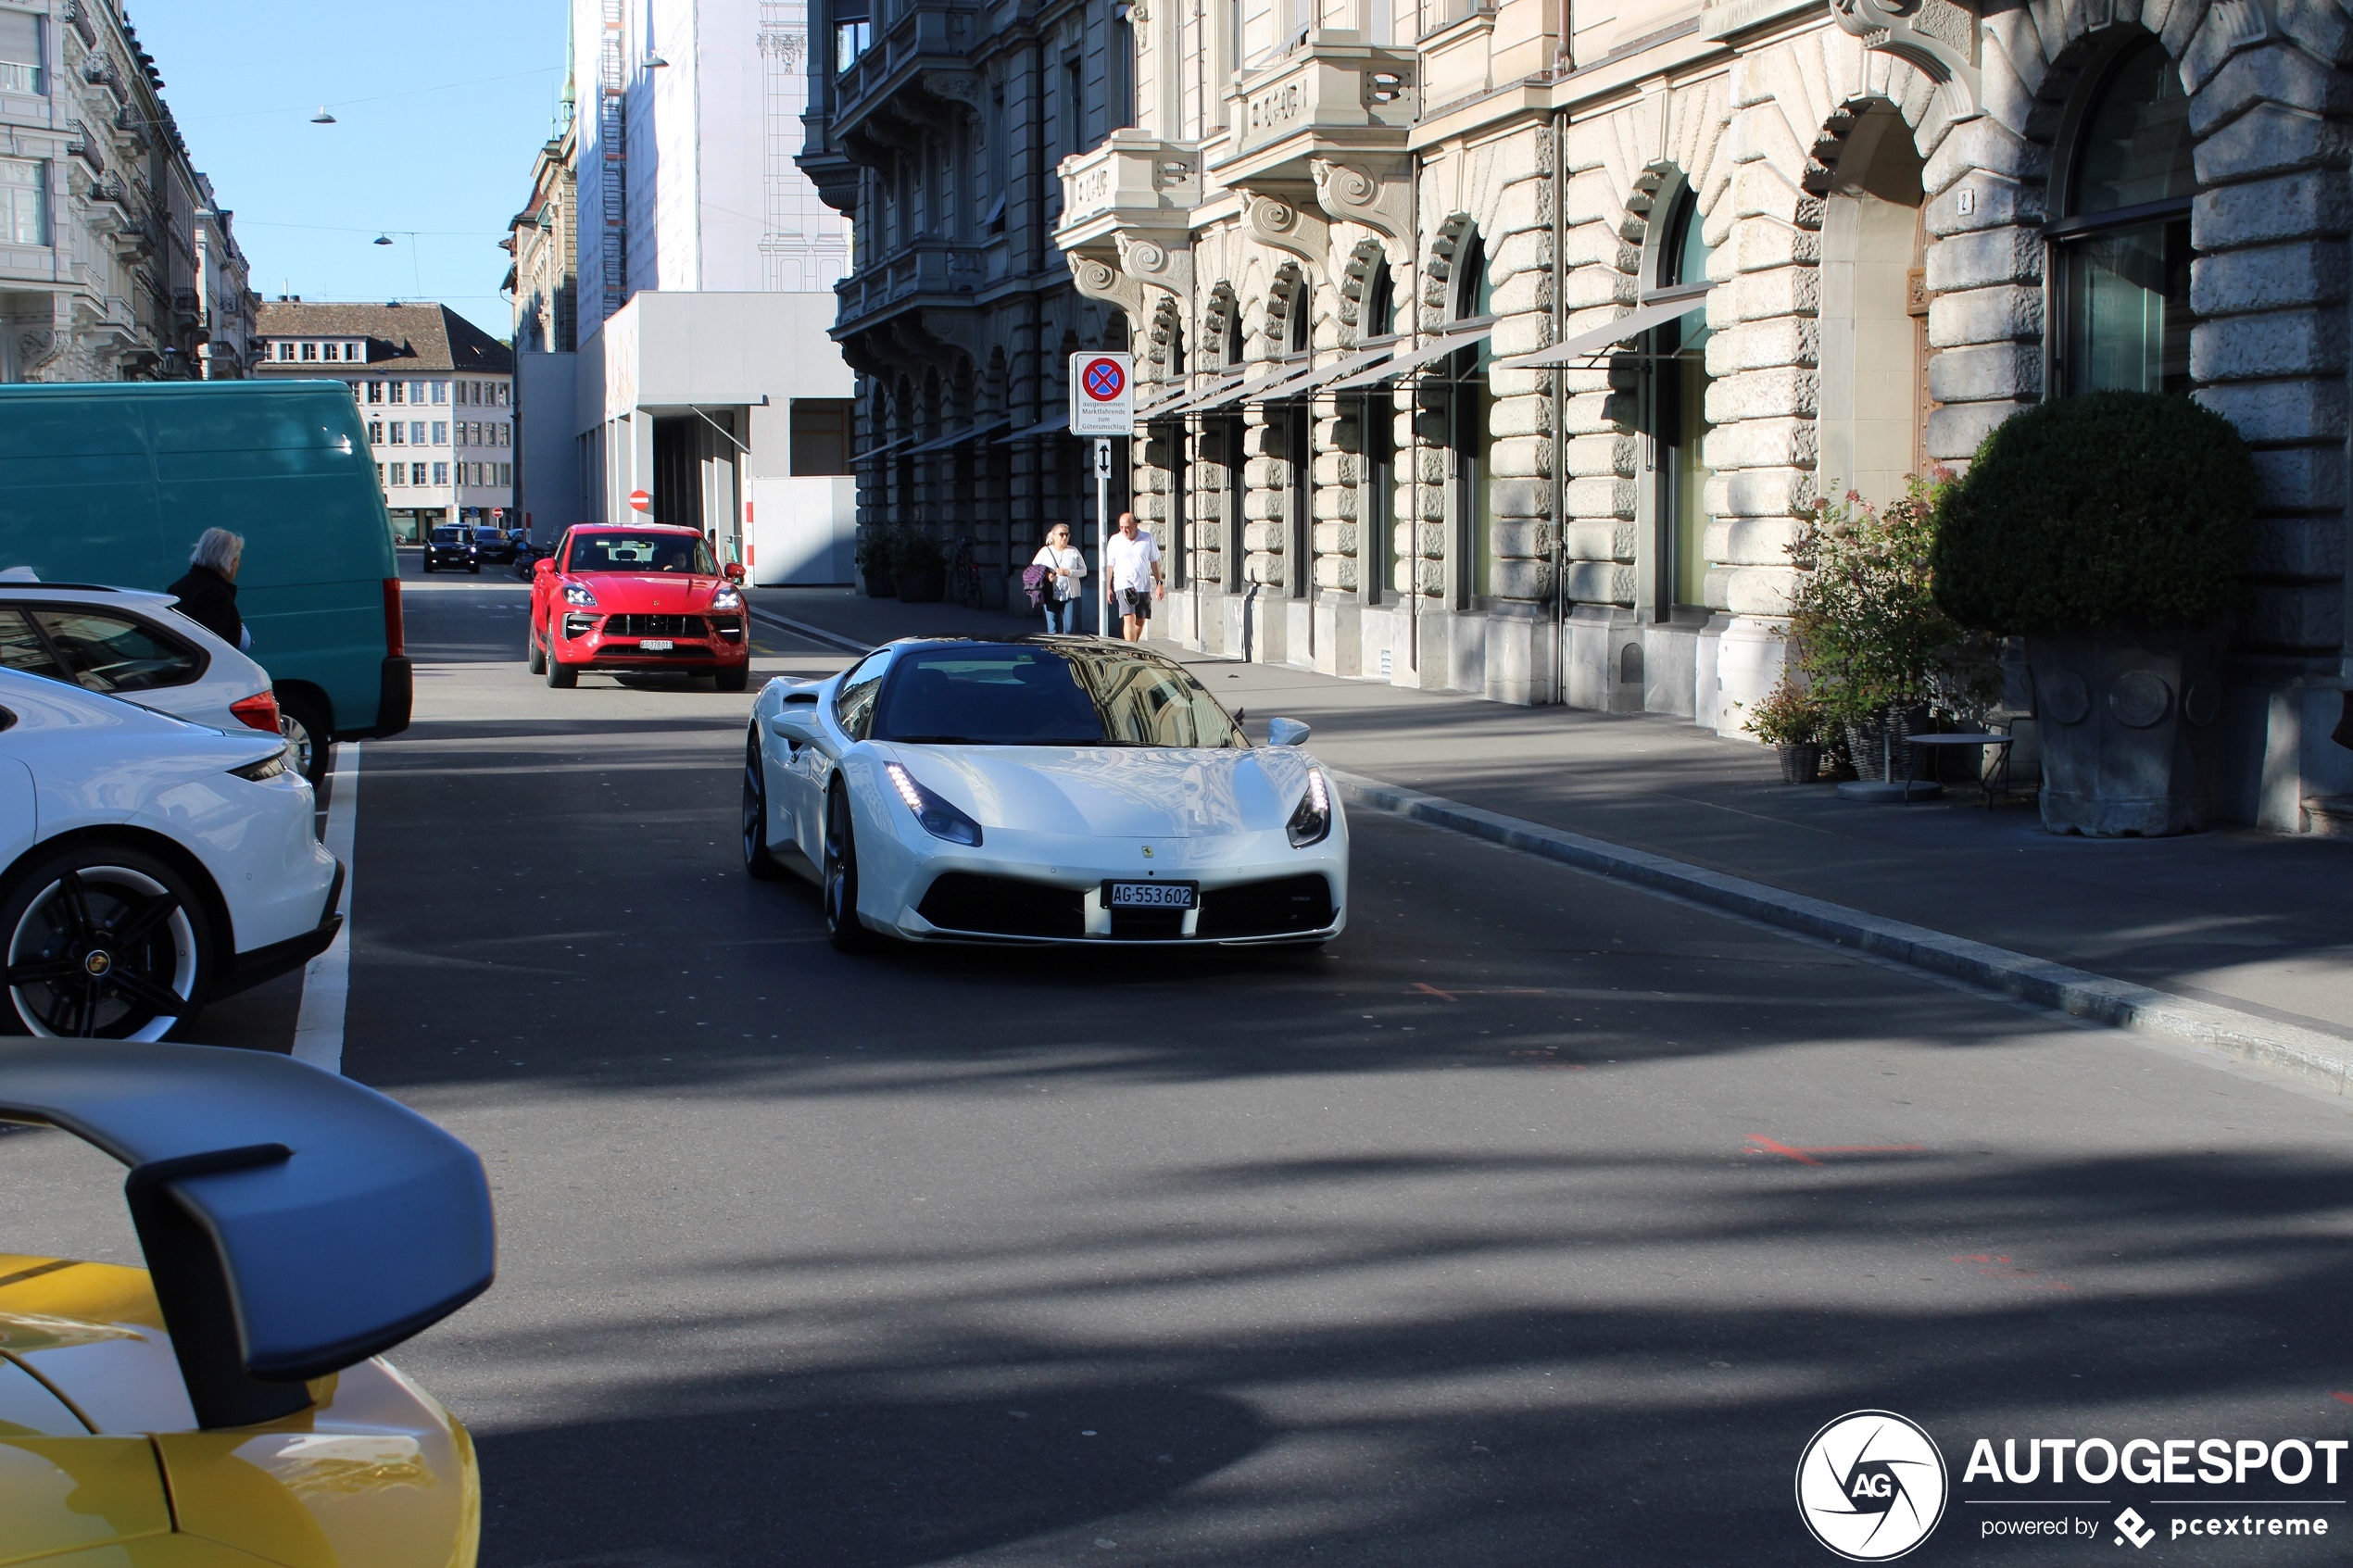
(1136, 603)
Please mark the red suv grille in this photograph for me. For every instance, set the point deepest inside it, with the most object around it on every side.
(655, 626)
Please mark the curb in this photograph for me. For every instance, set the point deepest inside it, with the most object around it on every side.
(2307, 1053)
(815, 634)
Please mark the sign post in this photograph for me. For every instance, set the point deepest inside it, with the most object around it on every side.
(1102, 404)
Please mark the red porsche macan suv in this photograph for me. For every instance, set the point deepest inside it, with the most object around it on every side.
(637, 599)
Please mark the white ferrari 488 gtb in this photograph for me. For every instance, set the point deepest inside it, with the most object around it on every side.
(1041, 789)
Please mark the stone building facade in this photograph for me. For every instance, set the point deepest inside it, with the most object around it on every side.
(544, 281)
(116, 261)
(937, 125)
(1500, 350)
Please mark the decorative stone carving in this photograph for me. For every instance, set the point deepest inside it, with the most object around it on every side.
(1936, 36)
(1274, 222)
(1100, 280)
(1377, 193)
(1157, 265)
(956, 86)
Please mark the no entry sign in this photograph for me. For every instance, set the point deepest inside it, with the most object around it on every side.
(640, 502)
(1102, 394)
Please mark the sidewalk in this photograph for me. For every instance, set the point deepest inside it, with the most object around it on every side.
(2256, 921)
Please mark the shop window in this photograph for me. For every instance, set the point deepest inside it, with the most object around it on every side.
(1471, 416)
(2122, 247)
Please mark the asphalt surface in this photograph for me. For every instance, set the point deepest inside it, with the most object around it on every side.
(1535, 1221)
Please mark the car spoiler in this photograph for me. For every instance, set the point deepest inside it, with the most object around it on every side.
(294, 1222)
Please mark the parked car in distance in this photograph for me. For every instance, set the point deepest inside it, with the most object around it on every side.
(495, 545)
(451, 548)
(637, 599)
(224, 1406)
(147, 866)
(112, 481)
(134, 646)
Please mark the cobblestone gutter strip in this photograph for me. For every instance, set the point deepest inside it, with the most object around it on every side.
(2309, 1054)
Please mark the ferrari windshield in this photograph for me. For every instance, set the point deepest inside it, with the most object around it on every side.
(1011, 694)
(640, 552)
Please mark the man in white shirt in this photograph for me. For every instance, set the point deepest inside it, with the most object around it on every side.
(1132, 575)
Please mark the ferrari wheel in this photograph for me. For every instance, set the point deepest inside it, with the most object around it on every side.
(758, 861)
(535, 657)
(561, 676)
(105, 943)
(842, 927)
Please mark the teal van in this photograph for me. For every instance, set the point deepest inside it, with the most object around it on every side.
(112, 481)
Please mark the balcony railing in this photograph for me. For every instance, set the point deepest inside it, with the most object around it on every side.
(1131, 180)
(934, 33)
(1333, 90)
(931, 271)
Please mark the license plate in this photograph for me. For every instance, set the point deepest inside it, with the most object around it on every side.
(1150, 895)
(656, 644)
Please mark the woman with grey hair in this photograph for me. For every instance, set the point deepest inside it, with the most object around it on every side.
(208, 595)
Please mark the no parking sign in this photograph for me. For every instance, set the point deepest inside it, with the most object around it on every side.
(1102, 394)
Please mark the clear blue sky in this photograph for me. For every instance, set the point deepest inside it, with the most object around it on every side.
(410, 151)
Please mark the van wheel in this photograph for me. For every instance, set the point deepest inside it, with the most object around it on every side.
(309, 733)
(102, 942)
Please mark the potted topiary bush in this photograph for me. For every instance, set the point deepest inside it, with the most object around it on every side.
(920, 568)
(2110, 531)
(876, 546)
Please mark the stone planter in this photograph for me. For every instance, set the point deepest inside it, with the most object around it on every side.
(880, 585)
(927, 586)
(1801, 763)
(2126, 721)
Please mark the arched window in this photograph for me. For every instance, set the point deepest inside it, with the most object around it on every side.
(1300, 309)
(1176, 348)
(1473, 410)
(1233, 333)
(1681, 387)
(1379, 317)
(2121, 245)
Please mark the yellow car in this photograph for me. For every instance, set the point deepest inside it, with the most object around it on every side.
(224, 1407)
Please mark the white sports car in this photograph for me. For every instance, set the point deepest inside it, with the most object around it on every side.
(1041, 789)
(147, 865)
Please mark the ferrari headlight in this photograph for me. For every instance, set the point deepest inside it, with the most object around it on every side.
(578, 593)
(939, 819)
(1313, 819)
(729, 596)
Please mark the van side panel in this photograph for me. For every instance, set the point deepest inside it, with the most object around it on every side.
(113, 482)
(76, 492)
(291, 476)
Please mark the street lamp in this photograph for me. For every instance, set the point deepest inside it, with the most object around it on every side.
(383, 239)
(323, 117)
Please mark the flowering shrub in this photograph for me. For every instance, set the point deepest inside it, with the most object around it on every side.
(1864, 626)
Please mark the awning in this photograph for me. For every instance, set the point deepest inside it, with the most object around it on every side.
(1346, 368)
(1056, 425)
(1257, 389)
(1165, 404)
(1600, 340)
(1194, 404)
(957, 437)
(870, 453)
(1406, 362)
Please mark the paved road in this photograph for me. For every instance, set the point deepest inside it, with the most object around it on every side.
(1524, 1225)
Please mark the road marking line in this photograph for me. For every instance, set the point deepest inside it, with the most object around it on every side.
(1803, 1154)
(815, 634)
(326, 979)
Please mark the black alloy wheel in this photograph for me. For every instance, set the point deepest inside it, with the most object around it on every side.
(310, 736)
(104, 942)
(840, 891)
(535, 657)
(758, 861)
